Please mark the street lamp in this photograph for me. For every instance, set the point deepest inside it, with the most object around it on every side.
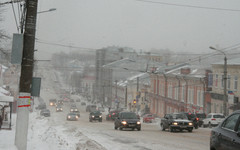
(225, 112)
(51, 9)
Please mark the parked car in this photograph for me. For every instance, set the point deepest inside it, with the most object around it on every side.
(72, 116)
(226, 136)
(91, 108)
(95, 115)
(148, 118)
(52, 102)
(112, 115)
(176, 121)
(192, 117)
(59, 108)
(45, 112)
(201, 117)
(213, 119)
(127, 120)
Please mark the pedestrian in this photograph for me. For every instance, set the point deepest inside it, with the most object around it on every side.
(0, 122)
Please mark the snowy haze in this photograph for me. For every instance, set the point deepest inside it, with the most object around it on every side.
(140, 25)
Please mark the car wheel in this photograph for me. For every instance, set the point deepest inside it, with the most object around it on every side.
(163, 129)
(133, 129)
(139, 129)
(189, 130)
(115, 127)
(170, 129)
(120, 128)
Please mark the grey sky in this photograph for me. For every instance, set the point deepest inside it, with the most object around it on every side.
(100, 23)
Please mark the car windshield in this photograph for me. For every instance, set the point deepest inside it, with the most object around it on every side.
(96, 113)
(129, 116)
(179, 116)
(218, 116)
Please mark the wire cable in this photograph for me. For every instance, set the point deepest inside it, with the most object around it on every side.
(14, 13)
(189, 6)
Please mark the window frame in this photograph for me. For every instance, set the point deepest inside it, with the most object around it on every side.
(236, 125)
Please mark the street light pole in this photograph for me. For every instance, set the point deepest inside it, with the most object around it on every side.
(225, 112)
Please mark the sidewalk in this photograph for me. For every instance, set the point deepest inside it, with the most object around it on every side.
(8, 136)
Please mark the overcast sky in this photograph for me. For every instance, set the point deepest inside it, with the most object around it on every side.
(137, 24)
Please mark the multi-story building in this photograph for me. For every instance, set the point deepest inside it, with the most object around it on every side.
(233, 84)
(182, 88)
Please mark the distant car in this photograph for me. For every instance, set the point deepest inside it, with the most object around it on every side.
(73, 109)
(95, 115)
(52, 102)
(83, 103)
(72, 116)
(176, 121)
(60, 102)
(192, 117)
(201, 117)
(59, 108)
(71, 100)
(213, 119)
(45, 112)
(148, 118)
(127, 120)
(112, 115)
(91, 108)
(226, 136)
(76, 112)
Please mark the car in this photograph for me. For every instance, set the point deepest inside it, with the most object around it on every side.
(201, 117)
(91, 108)
(59, 108)
(72, 116)
(83, 103)
(149, 118)
(192, 117)
(95, 115)
(226, 136)
(176, 121)
(52, 102)
(45, 113)
(41, 106)
(213, 119)
(112, 115)
(73, 108)
(60, 102)
(127, 120)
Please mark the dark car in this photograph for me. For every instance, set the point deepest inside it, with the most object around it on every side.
(127, 120)
(76, 112)
(201, 117)
(83, 103)
(192, 117)
(41, 106)
(59, 108)
(45, 113)
(60, 102)
(52, 102)
(176, 121)
(95, 115)
(72, 116)
(226, 136)
(112, 115)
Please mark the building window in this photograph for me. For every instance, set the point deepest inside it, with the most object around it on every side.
(229, 82)
(176, 93)
(216, 81)
(235, 82)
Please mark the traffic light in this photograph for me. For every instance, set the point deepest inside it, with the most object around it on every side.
(134, 101)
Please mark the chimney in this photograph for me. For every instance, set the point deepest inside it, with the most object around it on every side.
(185, 70)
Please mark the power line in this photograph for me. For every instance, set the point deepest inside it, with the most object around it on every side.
(14, 13)
(189, 6)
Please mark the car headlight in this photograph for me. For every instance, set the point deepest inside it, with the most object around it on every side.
(100, 116)
(175, 123)
(190, 123)
(75, 109)
(61, 108)
(92, 116)
(138, 122)
(71, 109)
(76, 116)
(57, 109)
(124, 122)
(69, 117)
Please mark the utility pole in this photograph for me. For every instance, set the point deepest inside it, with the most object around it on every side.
(26, 75)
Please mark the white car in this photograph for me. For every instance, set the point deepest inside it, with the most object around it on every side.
(213, 119)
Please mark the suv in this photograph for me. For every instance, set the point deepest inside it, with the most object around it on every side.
(192, 117)
(227, 135)
(201, 117)
(127, 120)
(95, 115)
(213, 119)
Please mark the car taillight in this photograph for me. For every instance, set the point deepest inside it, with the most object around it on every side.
(113, 114)
(213, 119)
(109, 115)
(197, 119)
